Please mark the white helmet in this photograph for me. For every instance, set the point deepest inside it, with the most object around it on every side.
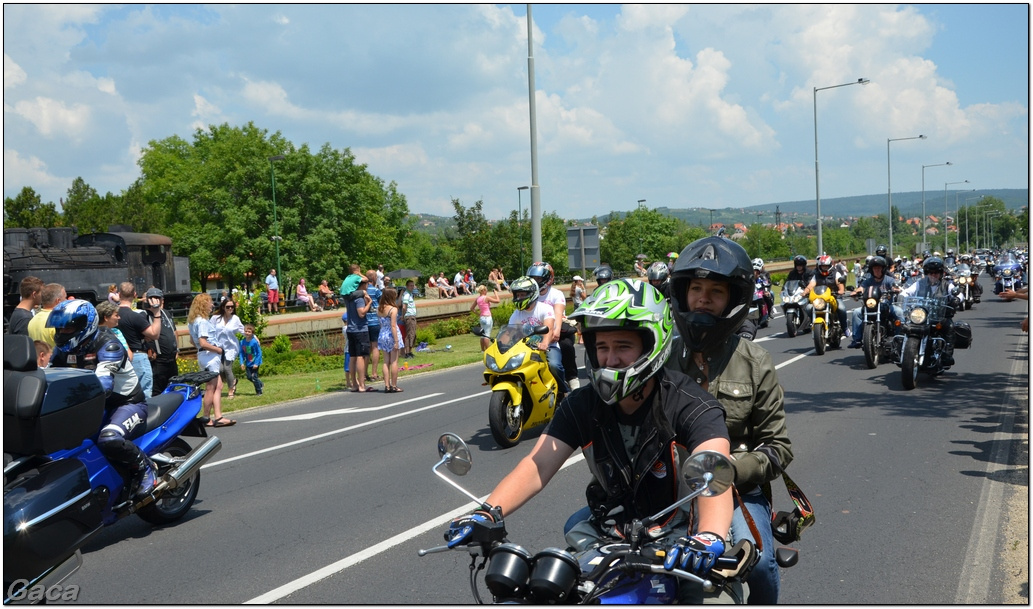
(758, 264)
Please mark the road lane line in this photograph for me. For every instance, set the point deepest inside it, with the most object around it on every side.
(351, 410)
(798, 357)
(354, 559)
(342, 430)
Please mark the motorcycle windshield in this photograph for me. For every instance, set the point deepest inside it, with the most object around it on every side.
(791, 286)
(512, 334)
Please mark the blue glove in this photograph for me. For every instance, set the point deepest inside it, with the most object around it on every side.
(696, 554)
(461, 528)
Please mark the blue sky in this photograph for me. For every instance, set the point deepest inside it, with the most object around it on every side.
(684, 106)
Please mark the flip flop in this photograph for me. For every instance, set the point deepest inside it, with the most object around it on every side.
(369, 389)
(222, 422)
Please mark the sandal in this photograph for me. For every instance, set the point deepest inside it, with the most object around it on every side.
(221, 422)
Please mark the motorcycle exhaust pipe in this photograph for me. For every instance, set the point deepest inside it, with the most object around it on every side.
(193, 462)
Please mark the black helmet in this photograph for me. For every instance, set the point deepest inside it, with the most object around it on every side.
(883, 251)
(718, 259)
(542, 274)
(932, 264)
(603, 274)
(800, 260)
(877, 261)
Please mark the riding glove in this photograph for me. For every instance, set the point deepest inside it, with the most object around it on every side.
(697, 554)
(462, 528)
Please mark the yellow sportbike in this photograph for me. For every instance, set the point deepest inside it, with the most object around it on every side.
(825, 327)
(524, 393)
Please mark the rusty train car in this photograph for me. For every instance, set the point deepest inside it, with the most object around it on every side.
(87, 264)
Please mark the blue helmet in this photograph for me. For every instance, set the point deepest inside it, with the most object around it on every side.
(75, 323)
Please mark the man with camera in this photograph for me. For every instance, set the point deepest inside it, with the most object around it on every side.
(138, 328)
(162, 351)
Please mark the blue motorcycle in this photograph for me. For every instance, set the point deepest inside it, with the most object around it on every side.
(1008, 273)
(59, 490)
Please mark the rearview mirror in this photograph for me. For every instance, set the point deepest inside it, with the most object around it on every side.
(712, 467)
(455, 454)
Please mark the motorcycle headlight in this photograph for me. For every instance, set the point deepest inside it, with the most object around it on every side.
(870, 303)
(819, 305)
(1007, 272)
(962, 280)
(918, 315)
(514, 362)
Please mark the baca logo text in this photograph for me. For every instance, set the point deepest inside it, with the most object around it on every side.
(17, 591)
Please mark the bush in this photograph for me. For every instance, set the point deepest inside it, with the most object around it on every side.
(323, 342)
(779, 278)
(450, 327)
(295, 362)
(184, 365)
(426, 335)
(281, 344)
(249, 310)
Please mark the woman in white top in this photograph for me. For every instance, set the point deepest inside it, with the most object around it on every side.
(226, 325)
(209, 356)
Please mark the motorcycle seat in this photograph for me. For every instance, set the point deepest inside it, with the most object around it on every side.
(161, 407)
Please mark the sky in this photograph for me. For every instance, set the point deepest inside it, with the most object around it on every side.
(684, 106)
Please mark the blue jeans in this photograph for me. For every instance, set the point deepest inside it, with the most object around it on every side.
(555, 359)
(855, 318)
(764, 580)
(142, 366)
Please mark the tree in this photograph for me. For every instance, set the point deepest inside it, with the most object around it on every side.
(643, 231)
(27, 211)
(763, 242)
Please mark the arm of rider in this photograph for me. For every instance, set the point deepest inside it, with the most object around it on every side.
(698, 553)
(558, 310)
(549, 322)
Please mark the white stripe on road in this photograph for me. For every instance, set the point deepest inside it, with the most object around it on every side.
(797, 358)
(327, 413)
(348, 561)
(342, 430)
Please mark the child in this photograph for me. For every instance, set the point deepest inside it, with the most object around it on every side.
(251, 357)
(42, 354)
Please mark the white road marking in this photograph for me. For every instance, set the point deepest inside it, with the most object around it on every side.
(326, 413)
(797, 358)
(354, 559)
(342, 430)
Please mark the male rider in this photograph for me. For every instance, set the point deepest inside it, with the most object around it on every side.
(835, 281)
(880, 280)
(81, 343)
(935, 285)
(635, 422)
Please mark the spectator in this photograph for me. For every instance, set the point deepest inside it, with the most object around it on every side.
(379, 283)
(640, 269)
(272, 286)
(164, 350)
(503, 284)
(107, 317)
(471, 283)
(409, 317)
(43, 352)
(460, 284)
(209, 357)
(304, 297)
(577, 290)
(358, 306)
(1021, 294)
(444, 288)
(373, 324)
(325, 295)
(390, 338)
(113, 294)
(483, 304)
(51, 295)
(226, 325)
(137, 329)
(251, 357)
(388, 283)
(344, 334)
(30, 289)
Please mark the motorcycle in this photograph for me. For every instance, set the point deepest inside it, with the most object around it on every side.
(1008, 272)
(760, 309)
(793, 304)
(627, 571)
(524, 394)
(59, 490)
(876, 341)
(919, 345)
(965, 280)
(825, 327)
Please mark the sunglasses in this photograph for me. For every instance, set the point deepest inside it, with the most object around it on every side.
(231, 307)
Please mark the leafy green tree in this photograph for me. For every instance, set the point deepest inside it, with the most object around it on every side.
(28, 211)
(642, 231)
(763, 242)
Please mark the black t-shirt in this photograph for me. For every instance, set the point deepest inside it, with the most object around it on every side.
(166, 343)
(804, 277)
(19, 322)
(132, 325)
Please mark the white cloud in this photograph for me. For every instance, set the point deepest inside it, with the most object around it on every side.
(54, 118)
(31, 171)
(14, 75)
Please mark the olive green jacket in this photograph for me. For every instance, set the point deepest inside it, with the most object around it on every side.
(743, 379)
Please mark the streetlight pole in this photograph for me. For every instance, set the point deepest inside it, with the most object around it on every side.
(968, 212)
(889, 188)
(520, 223)
(817, 187)
(945, 184)
(957, 227)
(276, 224)
(990, 215)
(921, 224)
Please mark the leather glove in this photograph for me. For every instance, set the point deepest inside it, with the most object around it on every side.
(697, 554)
(463, 527)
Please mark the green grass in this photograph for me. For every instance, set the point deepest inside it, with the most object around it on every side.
(466, 349)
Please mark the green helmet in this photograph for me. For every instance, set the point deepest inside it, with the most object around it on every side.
(525, 292)
(626, 304)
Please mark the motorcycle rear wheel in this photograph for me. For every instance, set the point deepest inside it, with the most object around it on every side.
(870, 345)
(173, 505)
(819, 338)
(506, 424)
(909, 363)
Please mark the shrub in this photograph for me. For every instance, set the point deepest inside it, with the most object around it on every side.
(249, 310)
(426, 335)
(323, 342)
(281, 344)
(450, 327)
(184, 365)
(779, 278)
(295, 362)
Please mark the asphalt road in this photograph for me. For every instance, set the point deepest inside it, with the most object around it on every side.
(326, 500)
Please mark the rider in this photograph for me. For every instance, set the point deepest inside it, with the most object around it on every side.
(561, 352)
(602, 274)
(935, 285)
(759, 274)
(659, 276)
(949, 259)
(82, 343)
(800, 273)
(711, 289)
(529, 309)
(635, 421)
(878, 278)
(836, 282)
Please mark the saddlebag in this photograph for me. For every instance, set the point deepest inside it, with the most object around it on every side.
(49, 512)
(962, 335)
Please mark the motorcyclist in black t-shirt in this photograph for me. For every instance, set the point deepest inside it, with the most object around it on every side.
(81, 343)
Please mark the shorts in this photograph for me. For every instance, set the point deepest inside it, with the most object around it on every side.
(358, 344)
(209, 361)
(486, 323)
(274, 296)
(374, 334)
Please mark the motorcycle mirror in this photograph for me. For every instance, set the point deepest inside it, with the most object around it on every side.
(455, 454)
(712, 467)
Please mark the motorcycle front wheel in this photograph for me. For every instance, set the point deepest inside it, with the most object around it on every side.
(870, 345)
(173, 505)
(909, 363)
(817, 331)
(504, 419)
(791, 324)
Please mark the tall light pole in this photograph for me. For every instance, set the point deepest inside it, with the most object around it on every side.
(536, 207)
(817, 188)
(990, 215)
(921, 224)
(889, 188)
(276, 224)
(945, 185)
(968, 212)
(957, 227)
(520, 223)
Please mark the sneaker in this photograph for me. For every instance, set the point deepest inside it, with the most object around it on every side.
(854, 344)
